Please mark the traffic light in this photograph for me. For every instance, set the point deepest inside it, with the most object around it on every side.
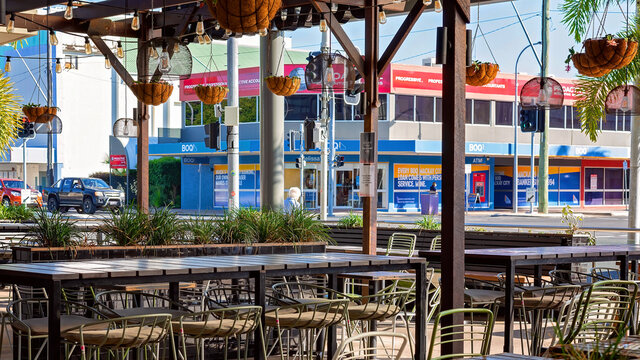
(300, 163)
(339, 161)
(212, 135)
(309, 127)
(532, 120)
(27, 130)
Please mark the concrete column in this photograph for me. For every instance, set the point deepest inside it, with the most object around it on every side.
(634, 183)
(271, 124)
(233, 136)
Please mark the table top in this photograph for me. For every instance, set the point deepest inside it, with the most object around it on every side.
(544, 252)
(100, 269)
(378, 275)
(507, 356)
(147, 287)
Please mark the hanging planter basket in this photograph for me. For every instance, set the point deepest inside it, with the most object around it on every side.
(211, 95)
(283, 85)
(154, 93)
(587, 66)
(244, 16)
(480, 74)
(611, 53)
(34, 113)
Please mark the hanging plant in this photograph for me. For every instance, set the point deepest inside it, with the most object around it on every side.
(585, 64)
(481, 73)
(34, 113)
(152, 93)
(244, 16)
(283, 85)
(610, 52)
(211, 95)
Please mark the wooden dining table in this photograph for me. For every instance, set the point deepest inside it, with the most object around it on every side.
(54, 276)
(511, 258)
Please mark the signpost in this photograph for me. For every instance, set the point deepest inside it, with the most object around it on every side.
(531, 195)
(118, 161)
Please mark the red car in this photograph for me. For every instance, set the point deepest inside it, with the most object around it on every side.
(12, 193)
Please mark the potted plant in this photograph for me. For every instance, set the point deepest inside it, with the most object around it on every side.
(211, 95)
(481, 73)
(34, 112)
(283, 85)
(585, 65)
(246, 16)
(152, 93)
(610, 52)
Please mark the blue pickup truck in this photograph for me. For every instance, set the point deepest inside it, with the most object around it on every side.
(86, 195)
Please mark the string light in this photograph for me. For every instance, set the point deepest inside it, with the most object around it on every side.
(87, 46)
(323, 25)
(53, 39)
(329, 75)
(12, 23)
(68, 12)
(207, 39)
(135, 21)
(227, 32)
(67, 64)
(200, 40)
(119, 50)
(283, 14)
(216, 26)
(176, 47)
(263, 32)
(426, 2)
(334, 7)
(382, 17)
(58, 66)
(438, 6)
(7, 65)
(107, 63)
(153, 52)
(165, 60)
(200, 26)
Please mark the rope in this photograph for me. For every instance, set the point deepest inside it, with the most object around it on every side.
(479, 29)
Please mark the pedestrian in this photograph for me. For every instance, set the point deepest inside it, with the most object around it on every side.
(433, 188)
(292, 203)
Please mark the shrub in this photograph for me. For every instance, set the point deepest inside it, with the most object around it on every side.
(234, 228)
(127, 227)
(268, 226)
(165, 226)
(164, 182)
(16, 213)
(428, 222)
(351, 221)
(202, 231)
(55, 230)
(303, 226)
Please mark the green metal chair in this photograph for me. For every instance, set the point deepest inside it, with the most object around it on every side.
(401, 244)
(436, 243)
(118, 303)
(361, 346)
(480, 333)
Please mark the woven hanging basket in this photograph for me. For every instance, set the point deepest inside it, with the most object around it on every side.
(480, 74)
(152, 93)
(283, 85)
(34, 113)
(587, 66)
(611, 53)
(211, 95)
(244, 16)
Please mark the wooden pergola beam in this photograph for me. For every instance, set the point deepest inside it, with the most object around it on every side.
(400, 36)
(115, 62)
(341, 36)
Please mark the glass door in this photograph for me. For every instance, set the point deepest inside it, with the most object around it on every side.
(344, 188)
(311, 185)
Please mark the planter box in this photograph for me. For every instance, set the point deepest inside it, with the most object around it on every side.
(23, 254)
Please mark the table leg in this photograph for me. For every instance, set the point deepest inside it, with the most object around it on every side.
(624, 268)
(174, 293)
(54, 291)
(508, 311)
(421, 312)
(259, 278)
(332, 338)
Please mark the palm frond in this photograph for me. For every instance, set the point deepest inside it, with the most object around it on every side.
(10, 115)
(578, 15)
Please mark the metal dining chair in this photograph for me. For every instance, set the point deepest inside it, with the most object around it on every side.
(480, 333)
(401, 244)
(362, 346)
(436, 243)
(118, 303)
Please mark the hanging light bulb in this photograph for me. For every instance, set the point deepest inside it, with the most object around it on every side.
(426, 2)
(12, 23)
(438, 6)
(323, 25)
(68, 12)
(216, 26)
(263, 32)
(283, 14)
(329, 74)
(53, 39)
(135, 21)
(107, 63)
(544, 94)
(58, 66)
(624, 104)
(200, 40)
(382, 17)
(228, 32)
(165, 60)
(207, 39)
(119, 50)
(87, 46)
(176, 47)
(7, 65)
(297, 10)
(334, 7)
(68, 65)
(200, 26)
(153, 52)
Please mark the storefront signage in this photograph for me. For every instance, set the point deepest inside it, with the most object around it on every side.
(118, 162)
(563, 183)
(195, 160)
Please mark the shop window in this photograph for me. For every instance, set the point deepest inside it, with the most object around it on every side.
(609, 122)
(556, 118)
(593, 179)
(504, 113)
(192, 113)
(620, 121)
(576, 118)
(301, 107)
(439, 110)
(424, 109)
(481, 112)
(613, 178)
(382, 110)
(404, 107)
(627, 122)
(468, 111)
(343, 111)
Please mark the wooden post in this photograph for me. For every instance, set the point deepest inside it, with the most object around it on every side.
(143, 127)
(370, 204)
(453, 165)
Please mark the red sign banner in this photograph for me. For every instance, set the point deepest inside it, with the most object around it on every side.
(118, 162)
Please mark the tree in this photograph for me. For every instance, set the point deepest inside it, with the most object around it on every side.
(10, 115)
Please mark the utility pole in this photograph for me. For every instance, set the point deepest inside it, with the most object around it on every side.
(634, 175)
(233, 136)
(324, 121)
(50, 170)
(543, 160)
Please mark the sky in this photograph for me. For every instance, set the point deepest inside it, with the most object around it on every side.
(498, 22)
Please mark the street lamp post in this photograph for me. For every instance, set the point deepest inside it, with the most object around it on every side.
(514, 196)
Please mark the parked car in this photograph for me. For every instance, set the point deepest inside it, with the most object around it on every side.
(84, 194)
(12, 193)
